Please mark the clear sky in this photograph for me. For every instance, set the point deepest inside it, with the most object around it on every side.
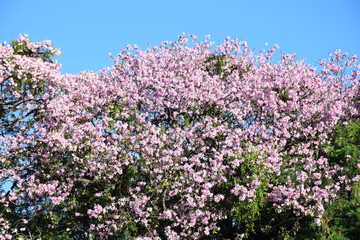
(86, 31)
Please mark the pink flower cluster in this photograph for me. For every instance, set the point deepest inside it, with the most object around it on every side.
(152, 141)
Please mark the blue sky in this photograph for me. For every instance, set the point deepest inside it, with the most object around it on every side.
(87, 31)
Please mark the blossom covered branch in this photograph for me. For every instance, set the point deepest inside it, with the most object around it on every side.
(169, 142)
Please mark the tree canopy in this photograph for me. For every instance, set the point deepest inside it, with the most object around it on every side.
(186, 140)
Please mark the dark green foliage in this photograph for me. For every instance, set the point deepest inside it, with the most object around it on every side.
(13, 108)
(215, 64)
(21, 48)
(282, 93)
(341, 220)
(219, 65)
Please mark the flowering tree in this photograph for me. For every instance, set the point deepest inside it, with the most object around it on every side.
(26, 75)
(25, 66)
(180, 141)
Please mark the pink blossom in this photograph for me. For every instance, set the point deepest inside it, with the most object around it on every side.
(155, 138)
